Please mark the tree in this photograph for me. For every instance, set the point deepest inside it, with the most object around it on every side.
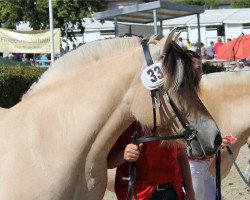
(240, 3)
(66, 13)
(209, 4)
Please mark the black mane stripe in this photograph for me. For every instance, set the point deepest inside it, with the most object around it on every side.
(172, 67)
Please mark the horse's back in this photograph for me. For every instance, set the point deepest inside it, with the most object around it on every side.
(3, 111)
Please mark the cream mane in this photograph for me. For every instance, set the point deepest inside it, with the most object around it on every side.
(81, 57)
(223, 79)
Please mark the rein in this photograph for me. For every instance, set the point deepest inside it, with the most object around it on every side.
(188, 134)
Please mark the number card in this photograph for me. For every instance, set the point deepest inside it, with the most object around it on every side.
(152, 76)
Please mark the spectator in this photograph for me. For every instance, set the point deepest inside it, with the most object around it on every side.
(216, 47)
(25, 58)
(189, 44)
(11, 56)
(203, 51)
(43, 60)
(180, 43)
(210, 51)
(244, 65)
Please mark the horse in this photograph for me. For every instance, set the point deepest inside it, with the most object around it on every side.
(54, 143)
(247, 171)
(226, 95)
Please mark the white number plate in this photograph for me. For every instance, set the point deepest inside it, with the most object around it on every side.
(152, 76)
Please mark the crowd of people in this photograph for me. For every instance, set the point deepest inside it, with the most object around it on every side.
(41, 60)
(210, 53)
(38, 60)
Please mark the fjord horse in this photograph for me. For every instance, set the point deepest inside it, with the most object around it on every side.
(227, 95)
(54, 143)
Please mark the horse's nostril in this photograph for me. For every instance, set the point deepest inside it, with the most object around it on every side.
(218, 140)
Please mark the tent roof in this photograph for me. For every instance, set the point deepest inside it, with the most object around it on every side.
(213, 17)
(143, 13)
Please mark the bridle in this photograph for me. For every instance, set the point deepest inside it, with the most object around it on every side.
(188, 134)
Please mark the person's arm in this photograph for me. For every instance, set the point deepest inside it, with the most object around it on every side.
(186, 174)
(130, 153)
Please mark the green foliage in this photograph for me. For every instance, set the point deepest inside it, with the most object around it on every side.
(15, 81)
(240, 3)
(191, 2)
(36, 12)
(209, 4)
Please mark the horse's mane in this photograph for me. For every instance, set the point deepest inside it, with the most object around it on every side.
(225, 79)
(178, 67)
(83, 56)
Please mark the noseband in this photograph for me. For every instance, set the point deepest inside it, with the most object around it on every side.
(188, 134)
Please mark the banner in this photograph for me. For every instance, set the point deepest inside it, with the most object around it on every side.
(13, 41)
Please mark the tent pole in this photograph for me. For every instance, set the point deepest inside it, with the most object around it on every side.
(199, 34)
(155, 22)
(116, 26)
(51, 31)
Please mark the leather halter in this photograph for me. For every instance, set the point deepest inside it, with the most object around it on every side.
(188, 134)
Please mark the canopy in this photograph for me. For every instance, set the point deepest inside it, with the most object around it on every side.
(142, 13)
(236, 49)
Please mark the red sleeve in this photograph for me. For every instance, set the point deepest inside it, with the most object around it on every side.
(126, 137)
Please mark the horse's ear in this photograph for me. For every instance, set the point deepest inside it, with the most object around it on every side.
(176, 36)
(155, 39)
(164, 43)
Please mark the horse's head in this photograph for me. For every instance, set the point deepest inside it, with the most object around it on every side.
(181, 81)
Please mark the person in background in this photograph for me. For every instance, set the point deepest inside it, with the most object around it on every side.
(203, 51)
(162, 169)
(216, 47)
(189, 44)
(203, 182)
(210, 51)
(43, 60)
(25, 58)
(244, 65)
(180, 43)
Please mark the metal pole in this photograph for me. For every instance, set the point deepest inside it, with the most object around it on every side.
(155, 22)
(116, 27)
(199, 34)
(51, 31)
(161, 27)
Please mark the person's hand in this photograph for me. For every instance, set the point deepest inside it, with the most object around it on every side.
(132, 152)
(224, 143)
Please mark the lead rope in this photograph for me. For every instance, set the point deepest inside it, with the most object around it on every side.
(132, 167)
(236, 166)
(218, 174)
(155, 96)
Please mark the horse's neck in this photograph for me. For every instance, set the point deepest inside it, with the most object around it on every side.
(229, 104)
(91, 104)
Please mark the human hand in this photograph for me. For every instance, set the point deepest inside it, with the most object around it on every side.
(224, 143)
(132, 152)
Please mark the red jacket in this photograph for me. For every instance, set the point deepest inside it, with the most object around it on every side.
(216, 47)
(156, 165)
